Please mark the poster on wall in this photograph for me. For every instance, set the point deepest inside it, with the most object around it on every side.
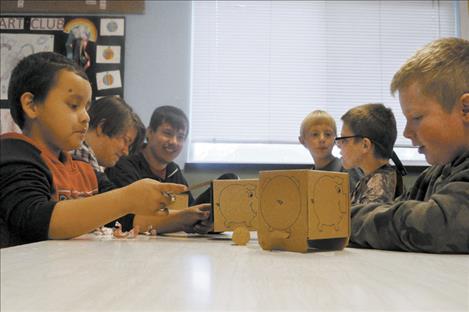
(16, 46)
(96, 43)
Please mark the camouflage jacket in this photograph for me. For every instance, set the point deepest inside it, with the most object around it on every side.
(376, 187)
(433, 216)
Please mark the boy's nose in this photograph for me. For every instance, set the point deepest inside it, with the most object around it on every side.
(408, 133)
(85, 117)
(125, 150)
(173, 139)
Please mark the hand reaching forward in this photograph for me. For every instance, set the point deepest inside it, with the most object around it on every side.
(196, 219)
(147, 196)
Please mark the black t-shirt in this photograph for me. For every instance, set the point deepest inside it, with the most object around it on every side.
(135, 167)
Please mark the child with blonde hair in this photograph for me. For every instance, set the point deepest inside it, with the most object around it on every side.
(317, 133)
(433, 216)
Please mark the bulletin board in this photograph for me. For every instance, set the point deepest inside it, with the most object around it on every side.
(96, 43)
(73, 6)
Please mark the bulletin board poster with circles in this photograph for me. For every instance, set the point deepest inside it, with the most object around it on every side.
(96, 43)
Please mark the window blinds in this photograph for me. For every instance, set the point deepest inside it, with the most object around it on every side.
(258, 67)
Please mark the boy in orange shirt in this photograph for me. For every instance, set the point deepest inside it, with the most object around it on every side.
(44, 193)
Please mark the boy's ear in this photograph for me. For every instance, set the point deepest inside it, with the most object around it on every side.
(28, 105)
(300, 139)
(148, 133)
(99, 128)
(366, 143)
(465, 106)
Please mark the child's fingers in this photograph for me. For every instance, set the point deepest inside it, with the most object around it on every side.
(202, 229)
(204, 215)
(205, 223)
(171, 187)
(203, 207)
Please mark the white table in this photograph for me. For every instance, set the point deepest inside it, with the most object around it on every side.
(197, 273)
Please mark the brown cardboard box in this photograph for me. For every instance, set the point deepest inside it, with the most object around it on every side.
(234, 204)
(298, 208)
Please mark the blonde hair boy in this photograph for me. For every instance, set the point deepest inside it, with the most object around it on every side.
(433, 216)
(317, 133)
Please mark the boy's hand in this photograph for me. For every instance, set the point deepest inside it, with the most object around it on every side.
(196, 219)
(203, 227)
(147, 196)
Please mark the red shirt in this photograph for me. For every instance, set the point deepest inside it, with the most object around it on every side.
(71, 179)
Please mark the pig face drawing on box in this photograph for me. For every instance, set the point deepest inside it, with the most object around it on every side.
(281, 204)
(238, 205)
(329, 202)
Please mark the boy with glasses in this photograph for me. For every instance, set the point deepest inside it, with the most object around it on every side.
(368, 135)
(433, 216)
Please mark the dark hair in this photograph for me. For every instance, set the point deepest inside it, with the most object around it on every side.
(37, 73)
(140, 138)
(115, 117)
(170, 114)
(376, 122)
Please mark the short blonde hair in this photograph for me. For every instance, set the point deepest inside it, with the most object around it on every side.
(441, 70)
(317, 117)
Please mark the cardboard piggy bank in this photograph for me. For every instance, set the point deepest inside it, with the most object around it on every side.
(234, 204)
(301, 209)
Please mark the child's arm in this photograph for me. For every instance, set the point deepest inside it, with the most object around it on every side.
(71, 218)
(419, 221)
(380, 188)
(176, 220)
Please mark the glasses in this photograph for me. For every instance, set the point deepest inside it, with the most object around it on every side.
(338, 140)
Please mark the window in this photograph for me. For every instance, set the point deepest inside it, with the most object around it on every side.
(258, 67)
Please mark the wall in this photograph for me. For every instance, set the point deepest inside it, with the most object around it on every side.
(157, 67)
